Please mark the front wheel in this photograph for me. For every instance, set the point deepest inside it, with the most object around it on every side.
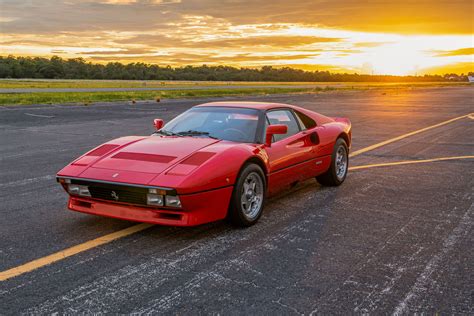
(246, 205)
(339, 165)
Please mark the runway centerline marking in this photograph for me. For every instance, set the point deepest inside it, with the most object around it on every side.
(409, 162)
(60, 255)
(27, 181)
(39, 115)
(44, 261)
(392, 140)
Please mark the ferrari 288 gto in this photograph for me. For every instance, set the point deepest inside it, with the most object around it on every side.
(214, 161)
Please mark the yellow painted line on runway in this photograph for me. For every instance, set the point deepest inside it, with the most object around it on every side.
(409, 162)
(389, 141)
(41, 262)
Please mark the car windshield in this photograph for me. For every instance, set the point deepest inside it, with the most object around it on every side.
(233, 124)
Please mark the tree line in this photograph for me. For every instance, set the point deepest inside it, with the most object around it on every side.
(78, 68)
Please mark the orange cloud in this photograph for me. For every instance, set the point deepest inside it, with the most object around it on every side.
(458, 52)
(458, 68)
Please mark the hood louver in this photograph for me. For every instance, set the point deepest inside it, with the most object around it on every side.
(102, 150)
(144, 157)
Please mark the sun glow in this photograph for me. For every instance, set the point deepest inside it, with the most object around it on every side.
(409, 55)
(379, 53)
(395, 59)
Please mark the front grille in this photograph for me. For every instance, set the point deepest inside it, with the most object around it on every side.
(119, 193)
(116, 195)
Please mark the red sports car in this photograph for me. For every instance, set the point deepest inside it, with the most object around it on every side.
(215, 160)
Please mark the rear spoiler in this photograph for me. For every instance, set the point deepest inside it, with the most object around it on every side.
(342, 120)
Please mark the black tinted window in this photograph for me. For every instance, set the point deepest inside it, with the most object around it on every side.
(305, 121)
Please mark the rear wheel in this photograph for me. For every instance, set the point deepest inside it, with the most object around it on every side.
(246, 205)
(339, 165)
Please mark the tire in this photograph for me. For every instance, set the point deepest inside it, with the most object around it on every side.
(248, 197)
(337, 173)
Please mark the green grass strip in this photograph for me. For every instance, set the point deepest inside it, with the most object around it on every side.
(87, 98)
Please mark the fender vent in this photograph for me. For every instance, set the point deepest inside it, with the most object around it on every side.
(198, 158)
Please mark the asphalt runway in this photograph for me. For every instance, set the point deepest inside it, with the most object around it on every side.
(395, 239)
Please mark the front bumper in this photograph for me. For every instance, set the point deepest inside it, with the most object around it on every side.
(197, 208)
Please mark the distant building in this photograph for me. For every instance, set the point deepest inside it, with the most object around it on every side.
(471, 79)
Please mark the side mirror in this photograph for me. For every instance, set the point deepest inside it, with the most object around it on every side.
(158, 123)
(314, 137)
(274, 130)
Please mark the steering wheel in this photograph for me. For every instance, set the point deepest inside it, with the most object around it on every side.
(235, 131)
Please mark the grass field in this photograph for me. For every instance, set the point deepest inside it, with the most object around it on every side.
(87, 98)
(186, 91)
(40, 83)
(63, 83)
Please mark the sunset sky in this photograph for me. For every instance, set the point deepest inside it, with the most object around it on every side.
(380, 37)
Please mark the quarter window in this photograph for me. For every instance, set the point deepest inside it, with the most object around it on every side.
(305, 121)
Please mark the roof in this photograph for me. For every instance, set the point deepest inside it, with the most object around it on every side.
(249, 105)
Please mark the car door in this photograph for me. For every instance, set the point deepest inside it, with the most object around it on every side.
(288, 152)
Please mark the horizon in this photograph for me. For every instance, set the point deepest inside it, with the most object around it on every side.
(337, 36)
(237, 68)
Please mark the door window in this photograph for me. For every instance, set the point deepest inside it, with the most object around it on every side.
(285, 117)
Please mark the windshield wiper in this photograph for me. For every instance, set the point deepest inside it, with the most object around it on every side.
(195, 133)
(166, 133)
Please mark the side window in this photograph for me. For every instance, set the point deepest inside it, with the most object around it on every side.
(305, 121)
(283, 117)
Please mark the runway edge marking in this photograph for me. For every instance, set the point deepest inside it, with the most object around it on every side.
(409, 162)
(389, 141)
(41, 262)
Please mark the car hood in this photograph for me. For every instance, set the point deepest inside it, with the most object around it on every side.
(147, 157)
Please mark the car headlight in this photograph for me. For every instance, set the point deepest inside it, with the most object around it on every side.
(76, 189)
(172, 201)
(154, 199)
